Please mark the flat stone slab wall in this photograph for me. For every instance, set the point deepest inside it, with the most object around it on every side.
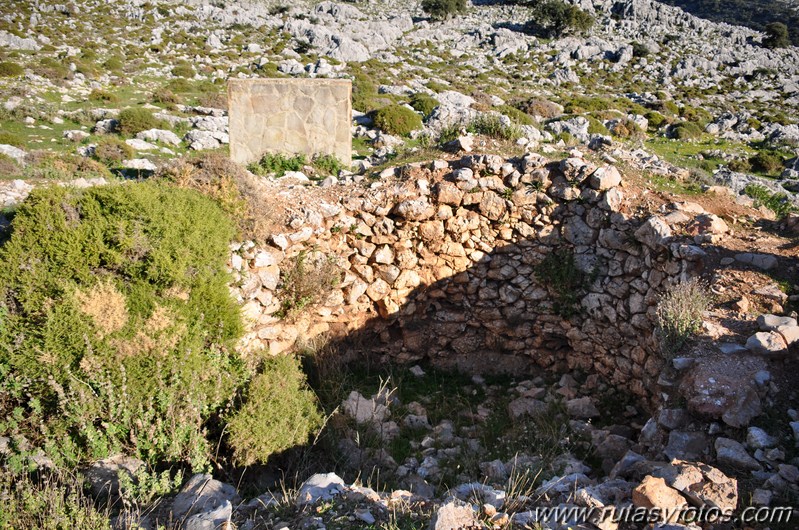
(290, 116)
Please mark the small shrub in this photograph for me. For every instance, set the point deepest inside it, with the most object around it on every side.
(582, 104)
(183, 70)
(98, 94)
(686, 130)
(327, 164)
(767, 162)
(741, 165)
(541, 107)
(397, 120)
(493, 126)
(556, 18)
(217, 100)
(779, 203)
(443, 9)
(519, 117)
(597, 127)
(656, 120)
(137, 119)
(364, 92)
(306, 280)
(113, 64)
(679, 314)
(640, 50)
(776, 35)
(9, 138)
(8, 167)
(277, 164)
(10, 69)
(166, 97)
(111, 151)
(279, 412)
(424, 103)
(559, 273)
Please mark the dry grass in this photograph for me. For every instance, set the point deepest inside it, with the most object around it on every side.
(106, 306)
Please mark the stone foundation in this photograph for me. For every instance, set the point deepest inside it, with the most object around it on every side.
(443, 265)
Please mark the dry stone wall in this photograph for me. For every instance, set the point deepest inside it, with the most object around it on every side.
(294, 116)
(443, 263)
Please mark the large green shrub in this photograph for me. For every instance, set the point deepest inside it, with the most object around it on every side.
(556, 18)
(776, 35)
(397, 119)
(117, 328)
(137, 119)
(443, 9)
(767, 162)
(686, 130)
(279, 412)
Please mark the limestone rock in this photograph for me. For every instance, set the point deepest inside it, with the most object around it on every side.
(321, 486)
(202, 493)
(453, 515)
(731, 453)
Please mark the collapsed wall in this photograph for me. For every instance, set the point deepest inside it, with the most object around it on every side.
(448, 262)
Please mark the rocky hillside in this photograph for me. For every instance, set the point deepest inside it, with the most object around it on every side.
(560, 273)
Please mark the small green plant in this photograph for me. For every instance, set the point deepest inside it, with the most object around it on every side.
(279, 412)
(443, 9)
(327, 164)
(493, 126)
(558, 271)
(519, 117)
(98, 94)
(183, 70)
(397, 119)
(137, 119)
(277, 164)
(655, 119)
(779, 203)
(10, 69)
(679, 314)
(111, 151)
(424, 103)
(165, 96)
(740, 165)
(686, 130)
(597, 127)
(767, 162)
(9, 138)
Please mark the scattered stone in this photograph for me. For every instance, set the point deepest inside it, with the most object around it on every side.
(321, 486)
(454, 515)
(765, 262)
(201, 494)
(731, 453)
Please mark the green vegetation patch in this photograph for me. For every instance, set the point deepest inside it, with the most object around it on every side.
(424, 103)
(397, 119)
(117, 327)
(137, 119)
(278, 413)
(559, 273)
(779, 203)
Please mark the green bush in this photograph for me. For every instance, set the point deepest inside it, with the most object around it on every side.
(656, 120)
(779, 203)
(443, 9)
(118, 329)
(776, 35)
(596, 127)
(137, 119)
(679, 314)
(9, 138)
(397, 119)
(686, 130)
(519, 117)
(559, 273)
(424, 103)
(111, 151)
(556, 18)
(98, 94)
(165, 96)
(327, 164)
(767, 162)
(8, 167)
(183, 70)
(540, 107)
(493, 126)
(113, 64)
(277, 164)
(582, 104)
(740, 165)
(279, 412)
(10, 69)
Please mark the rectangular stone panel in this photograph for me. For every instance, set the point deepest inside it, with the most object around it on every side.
(290, 116)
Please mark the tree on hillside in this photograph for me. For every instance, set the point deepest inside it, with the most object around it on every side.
(443, 9)
(776, 35)
(556, 18)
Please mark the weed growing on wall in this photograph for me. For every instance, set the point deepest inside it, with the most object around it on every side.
(679, 314)
(558, 271)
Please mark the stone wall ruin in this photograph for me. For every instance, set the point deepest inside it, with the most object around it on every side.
(442, 265)
(289, 116)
